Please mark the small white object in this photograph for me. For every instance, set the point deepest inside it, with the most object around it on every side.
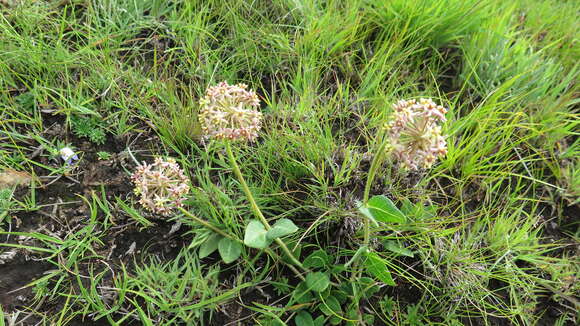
(7, 256)
(131, 249)
(68, 155)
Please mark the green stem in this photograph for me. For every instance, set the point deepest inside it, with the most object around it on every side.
(207, 224)
(245, 187)
(297, 272)
(375, 164)
(255, 207)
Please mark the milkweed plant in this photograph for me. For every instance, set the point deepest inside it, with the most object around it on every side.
(229, 115)
(411, 138)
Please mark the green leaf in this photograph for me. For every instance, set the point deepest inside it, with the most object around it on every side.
(407, 207)
(210, 245)
(348, 288)
(84, 110)
(281, 228)
(418, 211)
(369, 319)
(353, 315)
(317, 259)
(429, 211)
(383, 209)
(2, 318)
(302, 294)
(255, 236)
(317, 281)
(396, 248)
(304, 318)
(133, 213)
(319, 321)
(377, 267)
(337, 269)
(367, 213)
(368, 286)
(330, 306)
(341, 296)
(229, 250)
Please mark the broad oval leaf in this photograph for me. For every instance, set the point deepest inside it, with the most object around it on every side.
(383, 209)
(210, 245)
(319, 321)
(281, 228)
(317, 259)
(304, 318)
(229, 250)
(376, 266)
(330, 306)
(335, 320)
(317, 281)
(302, 294)
(255, 236)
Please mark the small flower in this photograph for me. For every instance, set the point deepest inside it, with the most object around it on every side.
(415, 133)
(68, 155)
(230, 112)
(161, 185)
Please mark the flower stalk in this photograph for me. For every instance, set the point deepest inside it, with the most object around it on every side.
(230, 113)
(375, 165)
(255, 207)
(413, 137)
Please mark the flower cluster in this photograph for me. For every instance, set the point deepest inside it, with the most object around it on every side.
(230, 112)
(161, 185)
(415, 133)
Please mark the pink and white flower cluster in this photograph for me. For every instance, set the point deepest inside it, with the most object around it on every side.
(230, 112)
(415, 133)
(161, 185)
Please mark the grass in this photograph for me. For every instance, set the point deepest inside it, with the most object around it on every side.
(490, 233)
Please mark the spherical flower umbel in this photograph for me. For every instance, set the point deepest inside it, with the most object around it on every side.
(230, 112)
(415, 133)
(161, 185)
